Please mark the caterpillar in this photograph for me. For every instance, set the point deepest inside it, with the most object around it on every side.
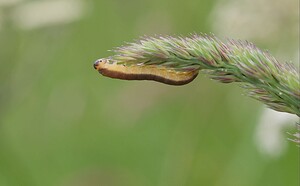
(144, 72)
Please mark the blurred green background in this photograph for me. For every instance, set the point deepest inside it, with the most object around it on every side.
(61, 123)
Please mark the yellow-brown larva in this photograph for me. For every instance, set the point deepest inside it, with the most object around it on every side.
(144, 72)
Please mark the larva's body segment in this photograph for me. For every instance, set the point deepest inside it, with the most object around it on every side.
(144, 72)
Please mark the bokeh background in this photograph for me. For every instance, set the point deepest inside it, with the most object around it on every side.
(61, 123)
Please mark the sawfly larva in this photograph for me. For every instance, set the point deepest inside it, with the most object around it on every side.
(144, 72)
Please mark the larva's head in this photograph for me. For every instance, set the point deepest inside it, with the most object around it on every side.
(99, 63)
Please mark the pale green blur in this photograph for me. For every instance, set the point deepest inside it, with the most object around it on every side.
(62, 123)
